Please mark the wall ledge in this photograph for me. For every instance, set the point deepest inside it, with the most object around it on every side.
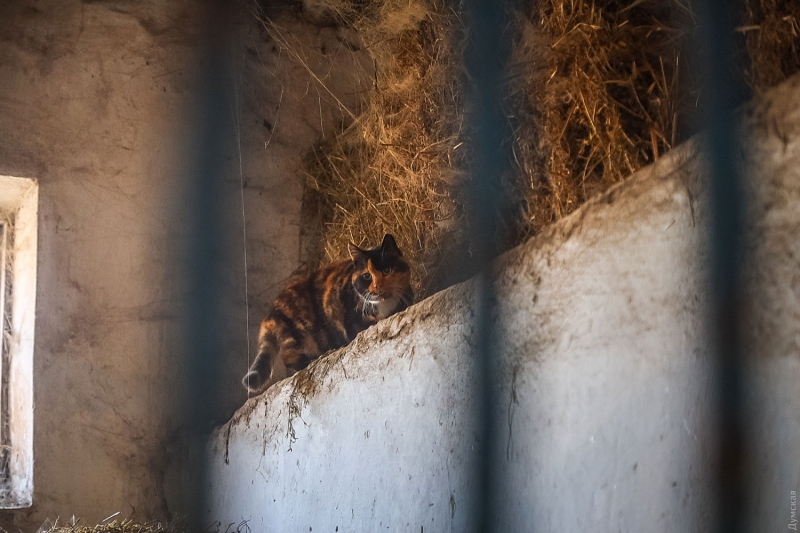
(603, 367)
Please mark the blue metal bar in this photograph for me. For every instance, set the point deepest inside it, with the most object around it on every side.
(486, 59)
(726, 225)
(202, 267)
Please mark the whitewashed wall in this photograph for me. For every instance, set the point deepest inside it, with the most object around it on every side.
(605, 410)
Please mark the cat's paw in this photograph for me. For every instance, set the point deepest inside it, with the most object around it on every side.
(253, 382)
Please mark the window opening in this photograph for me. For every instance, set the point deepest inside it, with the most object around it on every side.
(5, 347)
(18, 252)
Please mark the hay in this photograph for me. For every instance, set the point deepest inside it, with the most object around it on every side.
(770, 31)
(603, 88)
(596, 90)
(126, 525)
(395, 169)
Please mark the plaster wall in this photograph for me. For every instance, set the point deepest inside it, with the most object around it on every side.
(99, 103)
(605, 381)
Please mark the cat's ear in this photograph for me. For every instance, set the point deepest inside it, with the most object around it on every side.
(357, 254)
(389, 246)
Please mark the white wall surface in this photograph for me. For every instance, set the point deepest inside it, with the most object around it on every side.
(605, 416)
(99, 102)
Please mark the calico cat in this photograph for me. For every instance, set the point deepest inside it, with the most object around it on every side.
(328, 308)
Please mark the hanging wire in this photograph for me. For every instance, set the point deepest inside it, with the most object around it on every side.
(236, 114)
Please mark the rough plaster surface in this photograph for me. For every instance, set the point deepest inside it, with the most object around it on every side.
(97, 102)
(605, 416)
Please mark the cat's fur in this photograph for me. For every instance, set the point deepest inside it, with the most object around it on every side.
(328, 308)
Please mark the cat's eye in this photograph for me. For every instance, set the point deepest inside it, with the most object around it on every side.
(367, 277)
(387, 271)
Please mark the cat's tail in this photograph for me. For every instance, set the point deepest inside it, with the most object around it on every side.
(261, 370)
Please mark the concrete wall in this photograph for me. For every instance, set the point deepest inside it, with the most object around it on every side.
(98, 102)
(605, 420)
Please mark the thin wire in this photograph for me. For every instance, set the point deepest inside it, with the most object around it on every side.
(244, 227)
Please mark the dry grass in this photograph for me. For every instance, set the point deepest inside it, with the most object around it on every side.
(596, 90)
(771, 41)
(396, 167)
(597, 93)
(125, 525)
(600, 89)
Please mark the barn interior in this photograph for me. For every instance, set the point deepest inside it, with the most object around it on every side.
(575, 354)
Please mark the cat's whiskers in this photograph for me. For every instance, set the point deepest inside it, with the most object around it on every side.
(366, 300)
(404, 297)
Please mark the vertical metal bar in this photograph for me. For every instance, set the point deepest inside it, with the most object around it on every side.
(486, 58)
(204, 248)
(726, 203)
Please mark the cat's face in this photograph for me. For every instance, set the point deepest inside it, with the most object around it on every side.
(381, 273)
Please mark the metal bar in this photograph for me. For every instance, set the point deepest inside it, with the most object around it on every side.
(202, 267)
(726, 226)
(486, 58)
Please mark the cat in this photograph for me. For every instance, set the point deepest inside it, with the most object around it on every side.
(326, 309)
